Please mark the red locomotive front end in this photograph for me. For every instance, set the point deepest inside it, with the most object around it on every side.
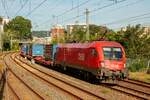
(112, 61)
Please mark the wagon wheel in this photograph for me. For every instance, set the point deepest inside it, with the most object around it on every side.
(32, 61)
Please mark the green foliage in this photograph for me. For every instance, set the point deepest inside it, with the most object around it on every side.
(58, 40)
(96, 33)
(100, 32)
(15, 46)
(1, 19)
(136, 42)
(137, 64)
(79, 34)
(20, 27)
(6, 39)
(6, 42)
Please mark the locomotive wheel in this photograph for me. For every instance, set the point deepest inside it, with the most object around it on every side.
(85, 76)
(113, 77)
(90, 77)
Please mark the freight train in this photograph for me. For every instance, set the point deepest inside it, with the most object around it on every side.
(98, 60)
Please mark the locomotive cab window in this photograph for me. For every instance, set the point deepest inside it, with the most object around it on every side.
(117, 53)
(94, 52)
(112, 53)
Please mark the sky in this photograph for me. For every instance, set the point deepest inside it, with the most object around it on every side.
(111, 13)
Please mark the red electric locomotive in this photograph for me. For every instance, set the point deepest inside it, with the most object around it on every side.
(99, 59)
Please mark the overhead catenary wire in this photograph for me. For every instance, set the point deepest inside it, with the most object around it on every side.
(12, 4)
(109, 5)
(120, 7)
(35, 8)
(67, 11)
(126, 19)
(97, 9)
(134, 21)
(56, 5)
(4, 7)
(94, 10)
(79, 5)
(21, 7)
(81, 15)
(7, 8)
(130, 20)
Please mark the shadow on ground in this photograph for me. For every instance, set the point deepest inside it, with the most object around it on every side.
(2, 84)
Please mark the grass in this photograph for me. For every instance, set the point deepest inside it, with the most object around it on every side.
(141, 76)
(105, 91)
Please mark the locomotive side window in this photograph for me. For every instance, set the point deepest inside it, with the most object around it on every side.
(112, 53)
(94, 52)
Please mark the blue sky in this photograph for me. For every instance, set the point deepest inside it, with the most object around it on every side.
(43, 17)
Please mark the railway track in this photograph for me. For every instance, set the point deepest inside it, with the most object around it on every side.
(76, 91)
(131, 87)
(127, 92)
(123, 90)
(140, 88)
(137, 82)
(17, 95)
(5, 82)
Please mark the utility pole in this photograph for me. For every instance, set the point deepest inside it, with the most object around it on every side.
(11, 42)
(53, 17)
(78, 13)
(87, 24)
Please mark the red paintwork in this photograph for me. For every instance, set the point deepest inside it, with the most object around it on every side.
(79, 54)
(41, 60)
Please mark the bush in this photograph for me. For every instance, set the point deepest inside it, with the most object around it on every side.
(137, 64)
(15, 46)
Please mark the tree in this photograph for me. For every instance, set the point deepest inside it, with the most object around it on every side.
(20, 27)
(78, 34)
(1, 19)
(96, 33)
(137, 42)
(6, 41)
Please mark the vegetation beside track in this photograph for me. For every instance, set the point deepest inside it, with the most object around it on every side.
(1, 65)
(141, 76)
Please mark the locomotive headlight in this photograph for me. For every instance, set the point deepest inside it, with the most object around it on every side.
(124, 65)
(102, 64)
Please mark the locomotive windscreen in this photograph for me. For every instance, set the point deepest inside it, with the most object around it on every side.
(112, 53)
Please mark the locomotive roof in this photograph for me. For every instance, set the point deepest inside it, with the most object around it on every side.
(90, 44)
